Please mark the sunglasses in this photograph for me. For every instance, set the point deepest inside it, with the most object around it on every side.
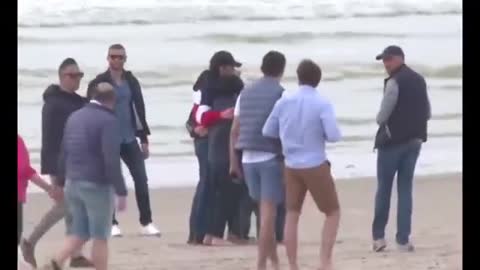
(117, 57)
(75, 75)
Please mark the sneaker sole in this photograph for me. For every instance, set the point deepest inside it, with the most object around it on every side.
(150, 235)
(379, 248)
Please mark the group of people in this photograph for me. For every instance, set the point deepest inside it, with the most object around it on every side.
(259, 150)
(258, 140)
(83, 141)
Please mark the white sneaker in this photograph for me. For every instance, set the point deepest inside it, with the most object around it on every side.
(116, 232)
(150, 230)
(379, 245)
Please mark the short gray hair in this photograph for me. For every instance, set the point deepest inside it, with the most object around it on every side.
(104, 93)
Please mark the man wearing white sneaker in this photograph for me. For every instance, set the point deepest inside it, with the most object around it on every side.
(403, 128)
(130, 111)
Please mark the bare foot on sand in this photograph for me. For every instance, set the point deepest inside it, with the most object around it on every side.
(220, 242)
(327, 266)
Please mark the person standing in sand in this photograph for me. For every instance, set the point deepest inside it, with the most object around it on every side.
(130, 111)
(216, 113)
(261, 162)
(90, 170)
(199, 134)
(60, 101)
(402, 119)
(26, 173)
(304, 121)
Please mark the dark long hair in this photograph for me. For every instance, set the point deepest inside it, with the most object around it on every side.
(201, 80)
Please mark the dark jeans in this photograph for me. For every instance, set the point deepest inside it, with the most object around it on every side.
(225, 198)
(199, 210)
(19, 222)
(401, 160)
(134, 159)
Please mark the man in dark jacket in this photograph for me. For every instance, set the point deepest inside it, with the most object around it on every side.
(60, 101)
(130, 111)
(91, 172)
(403, 117)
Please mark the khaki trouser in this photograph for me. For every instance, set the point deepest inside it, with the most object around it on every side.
(318, 181)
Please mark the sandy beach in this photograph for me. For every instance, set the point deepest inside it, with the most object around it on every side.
(437, 232)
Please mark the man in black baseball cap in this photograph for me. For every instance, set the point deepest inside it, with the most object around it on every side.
(391, 51)
(393, 58)
(402, 119)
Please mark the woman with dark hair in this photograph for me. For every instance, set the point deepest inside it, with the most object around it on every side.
(218, 97)
(199, 134)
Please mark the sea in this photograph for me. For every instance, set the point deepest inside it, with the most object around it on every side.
(169, 43)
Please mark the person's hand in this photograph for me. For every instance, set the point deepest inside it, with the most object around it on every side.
(56, 193)
(121, 203)
(200, 131)
(235, 171)
(227, 114)
(145, 150)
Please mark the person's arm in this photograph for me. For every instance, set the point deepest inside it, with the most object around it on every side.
(429, 107)
(31, 173)
(271, 128)
(111, 157)
(329, 122)
(389, 101)
(61, 170)
(41, 183)
(52, 130)
(204, 115)
(144, 132)
(234, 133)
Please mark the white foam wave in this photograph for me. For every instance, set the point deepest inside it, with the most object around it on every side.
(59, 13)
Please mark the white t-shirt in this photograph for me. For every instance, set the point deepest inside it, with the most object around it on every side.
(250, 156)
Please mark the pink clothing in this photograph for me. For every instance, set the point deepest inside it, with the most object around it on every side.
(24, 170)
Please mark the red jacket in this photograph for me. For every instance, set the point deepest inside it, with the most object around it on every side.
(24, 170)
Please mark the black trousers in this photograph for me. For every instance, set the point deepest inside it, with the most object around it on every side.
(225, 201)
(199, 211)
(19, 222)
(134, 159)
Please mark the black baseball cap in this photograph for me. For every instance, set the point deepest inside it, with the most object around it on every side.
(222, 58)
(391, 51)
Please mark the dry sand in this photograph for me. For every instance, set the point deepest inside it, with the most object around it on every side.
(437, 232)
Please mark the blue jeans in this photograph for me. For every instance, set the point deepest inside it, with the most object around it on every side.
(401, 160)
(199, 210)
(265, 180)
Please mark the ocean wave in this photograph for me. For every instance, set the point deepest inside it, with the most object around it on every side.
(55, 13)
(168, 77)
(308, 36)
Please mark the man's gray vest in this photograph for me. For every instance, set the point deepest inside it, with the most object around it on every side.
(256, 104)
